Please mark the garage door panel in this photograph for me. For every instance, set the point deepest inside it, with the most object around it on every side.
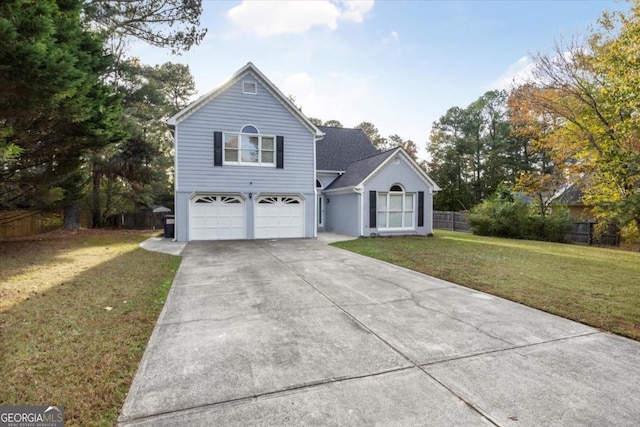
(279, 217)
(218, 217)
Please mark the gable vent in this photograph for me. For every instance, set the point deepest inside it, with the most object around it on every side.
(250, 88)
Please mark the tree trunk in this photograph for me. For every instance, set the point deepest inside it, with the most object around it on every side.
(96, 214)
(71, 217)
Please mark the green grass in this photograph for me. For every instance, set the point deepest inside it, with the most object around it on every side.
(596, 286)
(76, 312)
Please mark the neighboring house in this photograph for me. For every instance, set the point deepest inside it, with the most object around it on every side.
(250, 165)
(570, 195)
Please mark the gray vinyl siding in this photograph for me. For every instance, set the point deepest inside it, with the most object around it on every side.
(229, 112)
(405, 175)
(327, 179)
(343, 213)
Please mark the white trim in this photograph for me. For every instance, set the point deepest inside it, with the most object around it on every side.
(410, 162)
(329, 172)
(403, 211)
(271, 88)
(259, 163)
(343, 190)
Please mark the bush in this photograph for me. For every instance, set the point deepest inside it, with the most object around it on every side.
(507, 216)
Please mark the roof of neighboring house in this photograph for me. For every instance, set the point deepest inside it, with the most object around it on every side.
(247, 69)
(571, 195)
(340, 147)
(359, 170)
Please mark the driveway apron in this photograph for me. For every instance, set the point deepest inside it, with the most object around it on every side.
(295, 332)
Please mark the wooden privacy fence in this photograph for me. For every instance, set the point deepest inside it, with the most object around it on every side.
(585, 233)
(137, 220)
(21, 223)
(449, 220)
(582, 232)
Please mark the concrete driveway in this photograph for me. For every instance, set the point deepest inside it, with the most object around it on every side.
(300, 333)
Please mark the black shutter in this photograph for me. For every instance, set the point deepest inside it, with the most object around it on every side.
(217, 148)
(280, 152)
(420, 208)
(373, 198)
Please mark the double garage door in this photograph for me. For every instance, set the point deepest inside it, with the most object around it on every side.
(224, 217)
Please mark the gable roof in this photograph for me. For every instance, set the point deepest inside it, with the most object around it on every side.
(340, 147)
(362, 170)
(247, 69)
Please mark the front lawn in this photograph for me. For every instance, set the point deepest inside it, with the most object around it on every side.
(596, 286)
(76, 312)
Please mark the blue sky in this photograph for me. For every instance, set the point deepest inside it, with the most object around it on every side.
(397, 64)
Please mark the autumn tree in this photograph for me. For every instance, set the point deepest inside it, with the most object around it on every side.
(593, 89)
(545, 164)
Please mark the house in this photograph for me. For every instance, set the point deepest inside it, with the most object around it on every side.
(250, 165)
(571, 195)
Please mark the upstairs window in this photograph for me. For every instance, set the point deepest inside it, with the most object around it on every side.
(249, 147)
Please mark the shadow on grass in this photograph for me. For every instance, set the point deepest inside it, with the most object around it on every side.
(79, 343)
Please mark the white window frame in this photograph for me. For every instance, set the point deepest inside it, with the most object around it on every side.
(385, 209)
(246, 84)
(239, 136)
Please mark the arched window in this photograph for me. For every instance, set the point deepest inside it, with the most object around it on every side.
(249, 147)
(249, 129)
(396, 209)
(318, 183)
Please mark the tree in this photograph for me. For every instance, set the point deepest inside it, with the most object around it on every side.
(374, 136)
(472, 152)
(593, 90)
(449, 155)
(135, 172)
(545, 164)
(315, 121)
(162, 23)
(53, 108)
(333, 124)
(410, 147)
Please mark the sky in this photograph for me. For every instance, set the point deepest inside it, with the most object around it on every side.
(397, 64)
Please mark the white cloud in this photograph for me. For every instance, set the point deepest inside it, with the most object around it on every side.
(270, 18)
(517, 73)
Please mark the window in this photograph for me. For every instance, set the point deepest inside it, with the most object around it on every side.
(395, 209)
(250, 88)
(249, 147)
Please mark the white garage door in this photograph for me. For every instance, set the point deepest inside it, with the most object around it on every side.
(217, 217)
(279, 217)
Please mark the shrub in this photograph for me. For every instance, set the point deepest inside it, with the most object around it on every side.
(504, 215)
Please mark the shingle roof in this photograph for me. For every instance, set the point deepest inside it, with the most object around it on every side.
(340, 147)
(361, 169)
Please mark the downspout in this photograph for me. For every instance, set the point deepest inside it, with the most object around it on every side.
(175, 182)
